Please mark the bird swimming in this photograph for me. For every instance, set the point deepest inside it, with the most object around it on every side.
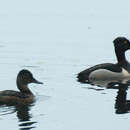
(24, 95)
(109, 71)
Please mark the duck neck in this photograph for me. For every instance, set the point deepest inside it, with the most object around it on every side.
(23, 88)
(120, 56)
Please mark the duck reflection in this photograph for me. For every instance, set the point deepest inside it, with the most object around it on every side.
(122, 105)
(23, 115)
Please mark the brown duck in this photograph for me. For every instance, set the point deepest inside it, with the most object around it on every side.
(24, 96)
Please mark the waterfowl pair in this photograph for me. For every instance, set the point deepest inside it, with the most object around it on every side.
(108, 71)
(24, 96)
(101, 72)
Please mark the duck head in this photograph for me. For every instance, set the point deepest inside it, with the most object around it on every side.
(24, 78)
(122, 44)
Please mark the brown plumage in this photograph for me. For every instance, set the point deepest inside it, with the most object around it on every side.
(24, 96)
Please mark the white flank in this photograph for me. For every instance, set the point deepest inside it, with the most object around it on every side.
(103, 77)
(107, 75)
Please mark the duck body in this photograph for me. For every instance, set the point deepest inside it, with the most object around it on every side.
(24, 96)
(98, 70)
(108, 71)
(11, 97)
(103, 74)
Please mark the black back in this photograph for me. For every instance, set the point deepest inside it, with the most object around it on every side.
(83, 76)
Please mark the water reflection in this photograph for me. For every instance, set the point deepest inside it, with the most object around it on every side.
(23, 115)
(122, 105)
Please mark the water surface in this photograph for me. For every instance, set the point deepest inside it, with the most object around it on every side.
(55, 40)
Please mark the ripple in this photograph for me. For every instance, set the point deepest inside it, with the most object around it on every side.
(5, 110)
(97, 89)
(31, 66)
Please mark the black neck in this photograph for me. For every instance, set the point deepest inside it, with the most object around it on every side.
(120, 56)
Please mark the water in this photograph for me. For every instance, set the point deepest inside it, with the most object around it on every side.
(55, 40)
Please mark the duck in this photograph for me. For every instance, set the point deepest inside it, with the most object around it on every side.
(113, 72)
(24, 95)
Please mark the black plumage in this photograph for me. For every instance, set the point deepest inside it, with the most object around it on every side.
(121, 44)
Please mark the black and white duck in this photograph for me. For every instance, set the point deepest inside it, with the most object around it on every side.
(108, 71)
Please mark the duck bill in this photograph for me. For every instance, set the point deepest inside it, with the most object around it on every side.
(36, 81)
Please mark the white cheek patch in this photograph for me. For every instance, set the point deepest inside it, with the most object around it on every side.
(105, 75)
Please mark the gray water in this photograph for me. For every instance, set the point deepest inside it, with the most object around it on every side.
(55, 40)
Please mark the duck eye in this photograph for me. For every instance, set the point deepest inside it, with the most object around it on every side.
(125, 41)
